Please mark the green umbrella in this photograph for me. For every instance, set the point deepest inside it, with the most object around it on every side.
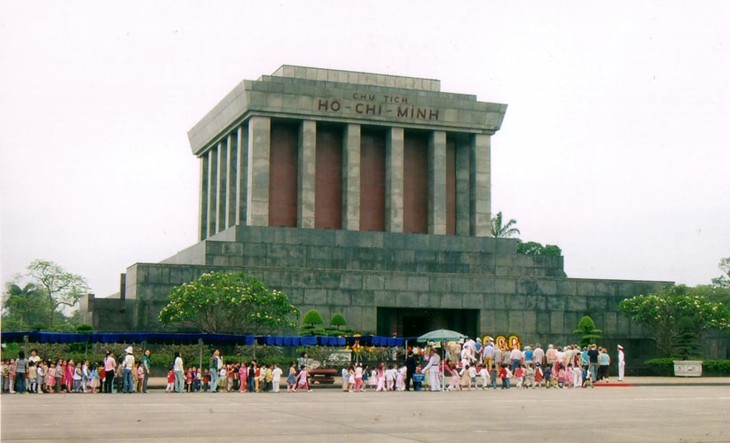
(440, 335)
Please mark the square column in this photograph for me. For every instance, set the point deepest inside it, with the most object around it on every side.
(222, 199)
(480, 185)
(306, 179)
(437, 183)
(203, 208)
(259, 154)
(394, 147)
(242, 179)
(212, 190)
(463, 192)
(351, 178)
(232, 178)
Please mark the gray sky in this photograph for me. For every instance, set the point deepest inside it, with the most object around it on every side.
(614, 146)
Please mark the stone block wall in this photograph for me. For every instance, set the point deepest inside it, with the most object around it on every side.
(354, 273)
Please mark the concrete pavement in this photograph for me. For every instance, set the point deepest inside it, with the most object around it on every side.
(686, 412)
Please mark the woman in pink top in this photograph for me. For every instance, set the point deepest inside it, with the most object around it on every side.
(68, 375)
(243, 376)
(110, 365)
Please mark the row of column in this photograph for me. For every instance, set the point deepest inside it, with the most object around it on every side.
(235, 180)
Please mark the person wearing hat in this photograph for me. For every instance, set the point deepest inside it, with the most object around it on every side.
(128, 365)
(621, 362)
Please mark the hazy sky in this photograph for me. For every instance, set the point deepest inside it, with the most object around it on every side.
(614, 145)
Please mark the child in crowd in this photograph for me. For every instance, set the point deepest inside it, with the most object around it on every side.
(505, 375)
(51, 378)
(381, 377)
(365, 377)
(170, 381)
(373, 379)
(454, 384)
(400, 379)
(302, 380)
(519, 376)
(561, 376)
(577, 376)
(12, 372)
(418, 379)
(587, 380)
(140, 377)
(539, 375)
(32, 377)
(390, 378)
(493, 374)
(530, 376)
(291, 379)
(472, 372)
(94, 379)
(243, 377)
(41, 373)
(189, 380)
(206, 380)
(276, 378)
(76, 377)
(484, 375)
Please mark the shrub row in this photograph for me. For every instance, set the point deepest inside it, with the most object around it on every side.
(665, 367)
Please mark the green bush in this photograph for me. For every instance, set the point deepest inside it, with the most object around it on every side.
(664, 367)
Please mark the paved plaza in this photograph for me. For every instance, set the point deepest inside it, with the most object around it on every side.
(645, 412)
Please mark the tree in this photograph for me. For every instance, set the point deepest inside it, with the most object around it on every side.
(723, 281)
(338, 320)
(47, 289)
(24, 308)
(587, 330)
(500, 230)
(219, 302)
(661, 313)
(312, 323)
(535, 248)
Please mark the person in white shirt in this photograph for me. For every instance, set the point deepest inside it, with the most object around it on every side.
(276, 378)
(621, 362)
(433, 370)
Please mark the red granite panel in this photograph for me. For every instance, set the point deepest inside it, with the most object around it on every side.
(283, 174)
(328, 178)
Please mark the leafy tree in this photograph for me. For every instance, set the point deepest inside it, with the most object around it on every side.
(338, 320)
(229, 303)
(312, 318)
(500, 230)
(587, 330)
(661, 314)
(37, 299)
(723, 281)
(535, 248)
(23, 307)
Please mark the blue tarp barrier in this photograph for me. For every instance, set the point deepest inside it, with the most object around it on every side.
(227, 339)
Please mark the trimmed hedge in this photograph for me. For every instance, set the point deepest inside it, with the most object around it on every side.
(664, 367)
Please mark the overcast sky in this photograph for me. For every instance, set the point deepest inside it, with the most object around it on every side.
(614, 145)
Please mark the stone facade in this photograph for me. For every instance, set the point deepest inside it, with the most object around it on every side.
(368, 195)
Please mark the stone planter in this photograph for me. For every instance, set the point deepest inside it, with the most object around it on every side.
(687, 368)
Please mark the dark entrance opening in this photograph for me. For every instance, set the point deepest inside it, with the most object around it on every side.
(412, 322)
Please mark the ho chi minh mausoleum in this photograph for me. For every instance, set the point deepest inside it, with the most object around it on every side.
(368, 195)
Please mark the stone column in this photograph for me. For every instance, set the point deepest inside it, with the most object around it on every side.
(437, 183)
(222, 198)
(203, 228)
(212, 190)
(242, 168)
(479, 185)
(232, 178)
(351, 178)
(306, 180)
(394, 146)
(259, 154)
(462, 186)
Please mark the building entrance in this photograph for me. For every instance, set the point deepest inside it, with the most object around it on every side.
(412, 322)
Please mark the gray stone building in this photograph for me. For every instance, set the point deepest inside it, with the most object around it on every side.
(367, 195)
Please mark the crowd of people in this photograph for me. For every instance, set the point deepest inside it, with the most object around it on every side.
(476, 365)
(467, 366)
